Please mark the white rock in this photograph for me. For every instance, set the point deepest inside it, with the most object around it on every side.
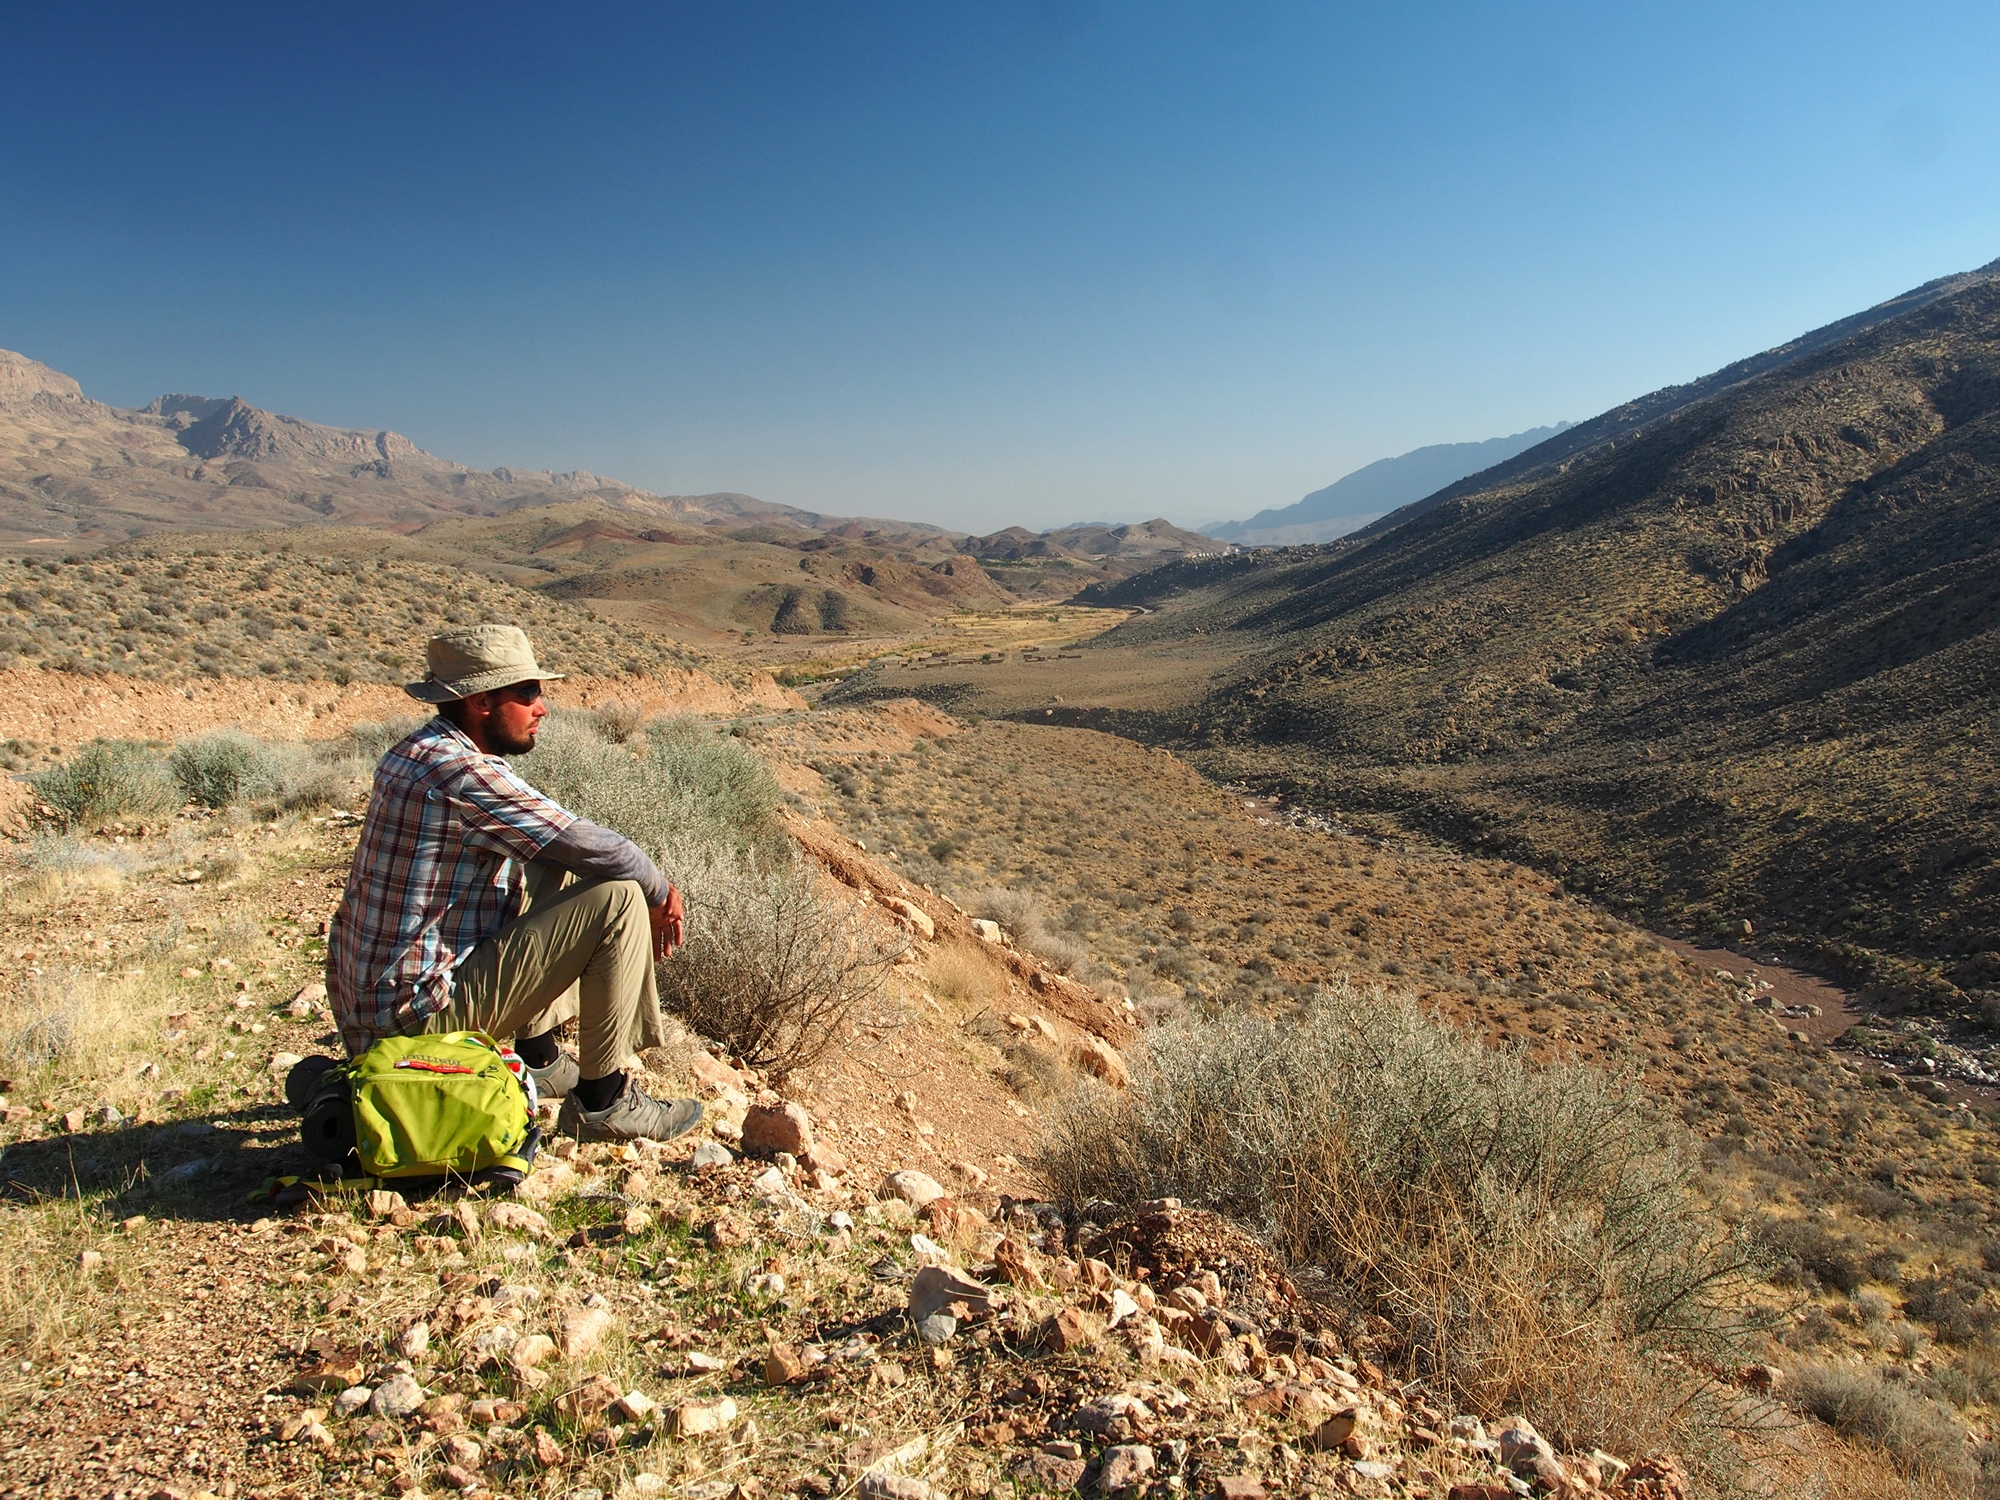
(635, 1406)
(351, 1400)
(913, 1187)
(490, 1341)
(397, 1396)
(884, 1486)
(1124, 1467)
(693, 1418)
(711, 1154)
(583, 1330)
(514, 1218)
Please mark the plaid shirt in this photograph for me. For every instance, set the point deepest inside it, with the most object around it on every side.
(437, 872)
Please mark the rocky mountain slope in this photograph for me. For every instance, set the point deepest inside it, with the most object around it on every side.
(1353, 500)
(76, 474)
(76, 470)
(1724, 656)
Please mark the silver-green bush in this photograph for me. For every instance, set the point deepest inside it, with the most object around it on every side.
(1027, 923)
(223, 767)
(227, 767)
(770, 966)
(106, 779)
(1532, 1233)
(1918, 1433)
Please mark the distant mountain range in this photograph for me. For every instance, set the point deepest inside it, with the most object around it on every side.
(77, 470)
(74, 470)
(1373, 490)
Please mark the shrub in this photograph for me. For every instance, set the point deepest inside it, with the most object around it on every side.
(227, 767)
(770, 966)
(105, 779)
(687, 787)
(1919, 1434)
(618, 722)
(1022, 915)
(1531, 1233)
(224, 767)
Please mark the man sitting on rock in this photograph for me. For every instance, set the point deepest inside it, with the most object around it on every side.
(477, 904)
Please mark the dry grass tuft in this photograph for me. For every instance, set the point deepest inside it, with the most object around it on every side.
(1022, 915)
(1530, 1236)
(1920, 1436)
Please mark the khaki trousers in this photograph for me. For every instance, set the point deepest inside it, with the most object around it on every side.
(580, 950)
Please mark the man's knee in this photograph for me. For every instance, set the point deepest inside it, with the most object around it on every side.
(625, 906)
(627, 895)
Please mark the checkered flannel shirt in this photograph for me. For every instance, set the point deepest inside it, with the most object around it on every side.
(437, 872)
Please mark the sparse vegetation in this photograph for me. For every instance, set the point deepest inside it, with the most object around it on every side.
(770, 967)
(164, 611)
(1532, 1233)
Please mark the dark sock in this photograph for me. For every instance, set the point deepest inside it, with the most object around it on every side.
(537, 1051)
(594, 1094)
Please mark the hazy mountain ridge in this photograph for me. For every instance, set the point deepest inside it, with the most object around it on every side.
(1732, 656)
(1355, 499)
(75, 469)
(1094, 540)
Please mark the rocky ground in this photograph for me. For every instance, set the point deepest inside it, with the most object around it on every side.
(853, 1287)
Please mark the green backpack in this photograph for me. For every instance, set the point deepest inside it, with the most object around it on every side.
(445, 1104)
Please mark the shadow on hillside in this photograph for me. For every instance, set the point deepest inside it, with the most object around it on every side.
(201, 1169)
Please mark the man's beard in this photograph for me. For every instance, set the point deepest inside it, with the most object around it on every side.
(520, 746)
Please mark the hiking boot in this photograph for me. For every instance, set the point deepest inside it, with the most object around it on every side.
(633, 1115)
(557, 1079)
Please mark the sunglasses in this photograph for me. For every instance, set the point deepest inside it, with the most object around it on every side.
(521, 692)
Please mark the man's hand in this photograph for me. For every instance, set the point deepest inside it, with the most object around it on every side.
(668, 919)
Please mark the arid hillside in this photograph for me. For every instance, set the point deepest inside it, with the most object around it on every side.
(76, 471)
(1717, 661)
(78, 475)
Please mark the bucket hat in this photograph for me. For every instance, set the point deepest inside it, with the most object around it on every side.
(477, 659)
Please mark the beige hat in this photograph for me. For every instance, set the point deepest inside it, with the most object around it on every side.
(477, 659)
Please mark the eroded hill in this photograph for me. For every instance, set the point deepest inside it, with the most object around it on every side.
(1718, 658)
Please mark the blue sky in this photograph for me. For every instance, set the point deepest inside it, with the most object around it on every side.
(1029, 261)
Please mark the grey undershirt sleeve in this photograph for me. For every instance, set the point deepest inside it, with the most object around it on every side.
(586, 848)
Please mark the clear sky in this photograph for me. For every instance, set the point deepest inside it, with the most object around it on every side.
(1024, 261)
